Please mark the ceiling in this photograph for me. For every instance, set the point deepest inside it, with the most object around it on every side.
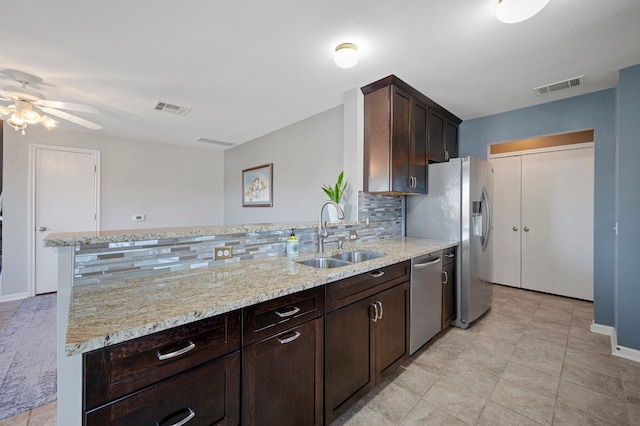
(247, 68)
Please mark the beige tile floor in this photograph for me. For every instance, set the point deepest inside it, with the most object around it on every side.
(531, 360)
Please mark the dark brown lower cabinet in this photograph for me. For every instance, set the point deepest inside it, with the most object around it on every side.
(364, 341)
(282, 378)
(208, 395)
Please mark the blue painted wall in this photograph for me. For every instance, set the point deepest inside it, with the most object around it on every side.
(591, 111)
(628, 280)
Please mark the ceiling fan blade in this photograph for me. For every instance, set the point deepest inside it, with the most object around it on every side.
(72, 118)
(67, 105)
(6, 95)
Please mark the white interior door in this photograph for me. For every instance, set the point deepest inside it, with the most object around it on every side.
(65, 199)
(506, 221)
(557, 222)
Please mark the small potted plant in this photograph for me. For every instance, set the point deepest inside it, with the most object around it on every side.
(335, 193)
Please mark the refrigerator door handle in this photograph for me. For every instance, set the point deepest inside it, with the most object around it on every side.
(487, 202)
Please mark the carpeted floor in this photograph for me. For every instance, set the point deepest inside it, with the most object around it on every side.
(28, 356)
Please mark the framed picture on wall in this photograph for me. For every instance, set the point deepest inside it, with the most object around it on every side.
(257, 186)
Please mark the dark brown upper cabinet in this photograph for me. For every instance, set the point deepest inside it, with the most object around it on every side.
(397, 134)
(442, 137)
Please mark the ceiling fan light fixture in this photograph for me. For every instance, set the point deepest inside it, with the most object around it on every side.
(17, 124)
(29, 116)
(48, 122)
(16, 119)
(346, 55)
(513, 11)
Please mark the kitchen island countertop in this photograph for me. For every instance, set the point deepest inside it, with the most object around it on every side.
(104, 314)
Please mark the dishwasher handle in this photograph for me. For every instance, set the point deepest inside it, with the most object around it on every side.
(425, 264)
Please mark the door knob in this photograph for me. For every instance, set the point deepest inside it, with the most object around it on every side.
(515, 228)
(526, 229)
(42, 228)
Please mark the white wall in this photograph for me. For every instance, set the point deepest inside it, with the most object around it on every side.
(305, 155)
(171, 185)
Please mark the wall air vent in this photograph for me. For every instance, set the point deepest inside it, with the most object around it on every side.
(214, 142)
(560, 85)
(171, 108)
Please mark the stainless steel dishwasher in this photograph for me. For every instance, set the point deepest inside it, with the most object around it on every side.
(426, 299)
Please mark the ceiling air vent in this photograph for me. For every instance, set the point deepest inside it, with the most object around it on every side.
(560, 85)
(171, 108)
(214, 142)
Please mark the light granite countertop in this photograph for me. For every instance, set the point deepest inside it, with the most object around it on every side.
(112, 312)
(63, 239)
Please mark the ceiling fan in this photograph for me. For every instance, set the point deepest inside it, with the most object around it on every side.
(24, 100)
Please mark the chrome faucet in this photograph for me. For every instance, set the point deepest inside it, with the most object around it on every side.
(322, 233)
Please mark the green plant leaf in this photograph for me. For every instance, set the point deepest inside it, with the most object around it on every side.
(335, 192)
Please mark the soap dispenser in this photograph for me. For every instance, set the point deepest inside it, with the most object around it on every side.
(292, 245)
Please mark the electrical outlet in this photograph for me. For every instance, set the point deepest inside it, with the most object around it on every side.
(137, 218)
(224, 252)
(353, 235)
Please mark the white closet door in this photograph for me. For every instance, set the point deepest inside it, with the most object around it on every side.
(557, 222)
(506, 221)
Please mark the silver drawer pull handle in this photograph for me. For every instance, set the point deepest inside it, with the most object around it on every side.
(377, 274)
(445, 277)
(289, 339)
(294, 310)
(450, 255)
(191, 415)
(179, 352)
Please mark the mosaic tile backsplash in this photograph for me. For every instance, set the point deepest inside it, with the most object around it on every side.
(97, 263)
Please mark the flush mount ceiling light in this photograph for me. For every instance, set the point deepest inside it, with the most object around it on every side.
(512, 11)
(346, 55)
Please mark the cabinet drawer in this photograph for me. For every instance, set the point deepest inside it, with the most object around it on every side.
(349, 290)
(117, 370)
(271, 317)
(209, 394)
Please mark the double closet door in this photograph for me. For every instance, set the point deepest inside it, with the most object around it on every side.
(543, 221)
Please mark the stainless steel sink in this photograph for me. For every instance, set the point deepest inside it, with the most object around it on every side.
(324, 262)
(357, 256)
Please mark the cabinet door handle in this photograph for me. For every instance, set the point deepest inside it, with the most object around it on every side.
(526, 229)
(515, 228)
(375, 312)
(292, 311)
(162, 357)
(377, 274)
(445, 277)
(190, 414)
(289, 339)
(381, 311)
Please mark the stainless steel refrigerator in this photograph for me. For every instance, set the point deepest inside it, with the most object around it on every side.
(458, 208)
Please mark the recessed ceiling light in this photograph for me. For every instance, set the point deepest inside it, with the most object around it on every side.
(346, 55)
(512, 11)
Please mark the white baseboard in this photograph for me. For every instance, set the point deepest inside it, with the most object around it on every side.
(627, 353)
(14, 296)
(602, 329)
(617, 350)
